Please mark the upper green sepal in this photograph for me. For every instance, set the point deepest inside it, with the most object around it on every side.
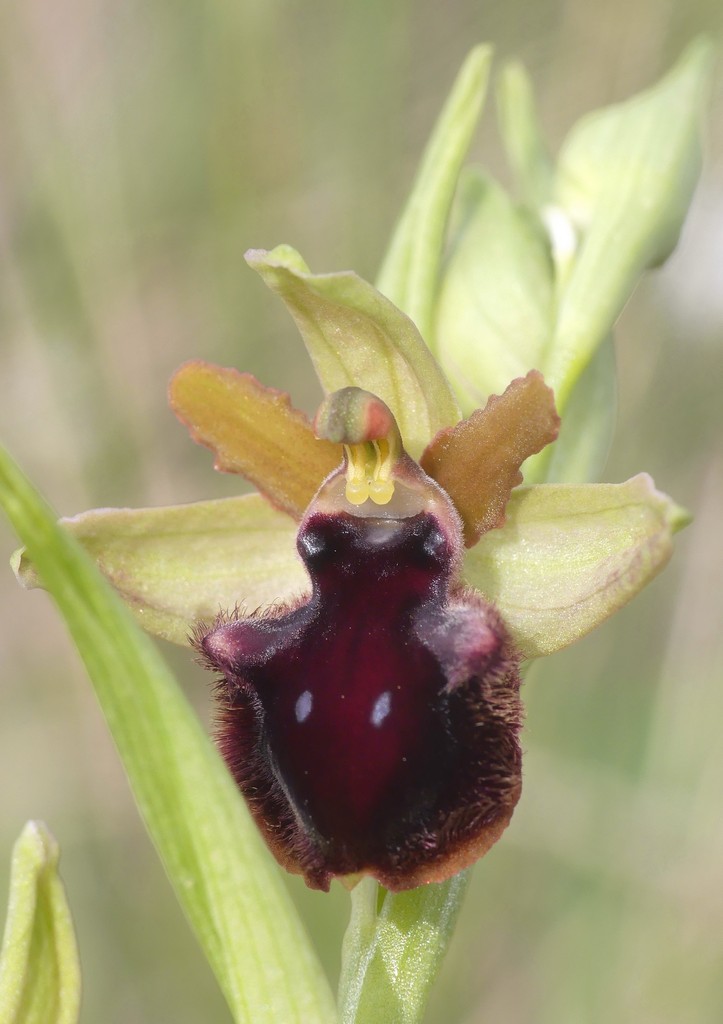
(357, 337)
(39, 967)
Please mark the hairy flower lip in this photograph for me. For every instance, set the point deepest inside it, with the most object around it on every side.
(370, 723)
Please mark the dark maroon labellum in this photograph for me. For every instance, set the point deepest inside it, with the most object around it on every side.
(373, 727)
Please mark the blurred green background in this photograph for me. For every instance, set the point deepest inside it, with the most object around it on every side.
(143, 147)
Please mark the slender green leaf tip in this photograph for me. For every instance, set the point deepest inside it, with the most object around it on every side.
(522, 134)
(410, 271)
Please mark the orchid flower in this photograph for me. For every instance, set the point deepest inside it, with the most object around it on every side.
(370, 611)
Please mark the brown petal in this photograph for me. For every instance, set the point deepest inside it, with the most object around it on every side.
(254, 431)
(478, 461)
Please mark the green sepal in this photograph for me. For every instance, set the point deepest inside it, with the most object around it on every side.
(357, 337)
(177, 565)
(39, 967)
(569, 556)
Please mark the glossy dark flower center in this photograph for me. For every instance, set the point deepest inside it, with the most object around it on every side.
(353, 704)
(374, 726)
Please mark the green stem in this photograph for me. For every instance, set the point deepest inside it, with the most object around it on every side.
(358, 940)
(393, 950)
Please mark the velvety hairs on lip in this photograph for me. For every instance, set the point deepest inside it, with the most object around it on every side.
(373, 725)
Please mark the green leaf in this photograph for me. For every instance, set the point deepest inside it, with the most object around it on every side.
(625, 177)
(39, 968)
(222, 873)
(175, 566)
(495, 311)
(390, 960)
(409, 273)
(357, 337)
(522, 135)
(569, 556)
